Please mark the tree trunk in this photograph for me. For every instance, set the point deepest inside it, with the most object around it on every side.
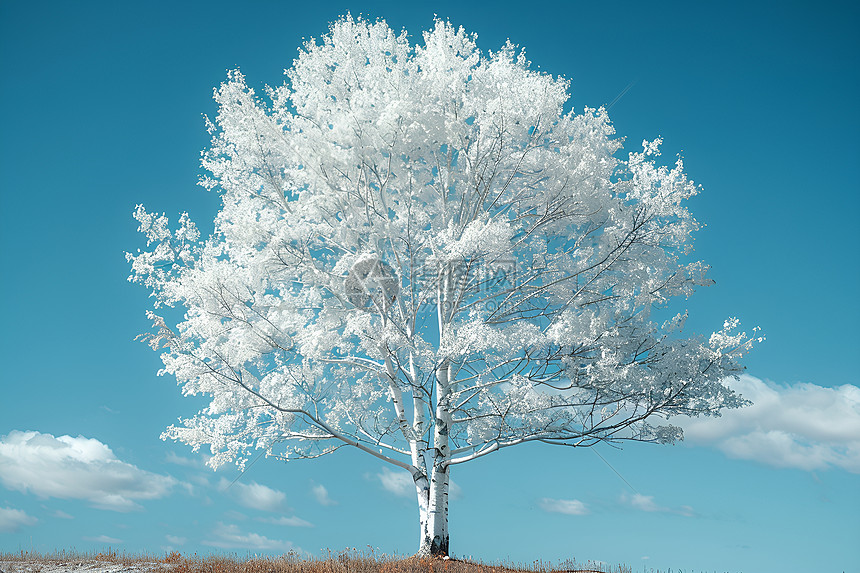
(422, 489)
(436, 541)
(434, 523)
(437, 527)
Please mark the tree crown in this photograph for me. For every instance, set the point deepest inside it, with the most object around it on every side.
(394, 210)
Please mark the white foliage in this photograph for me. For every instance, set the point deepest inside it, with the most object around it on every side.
(415, 235)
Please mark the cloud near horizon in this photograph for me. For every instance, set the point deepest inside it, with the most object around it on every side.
(64, 467)
(647, 503)
(565, 506)
(230, 537)
(105, 539)
(400, 483)
(801, 425)
(292, 521)
(257, 496)
(11, 520)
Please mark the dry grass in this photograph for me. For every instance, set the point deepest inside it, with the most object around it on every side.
(345, 562)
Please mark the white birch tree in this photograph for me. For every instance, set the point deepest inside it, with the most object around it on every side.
(421, 255)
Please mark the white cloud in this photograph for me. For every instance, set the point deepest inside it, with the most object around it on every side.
(104, 539)
(455, 492)
(63, 515)
(174, 540)
(801, 426)
(173, 458)
(321, 494)
(230, 537)
(401, 484)
(257, 496)
(647, 503)
(11, 520)
(565, 506)
(76, 468)
(288, 521)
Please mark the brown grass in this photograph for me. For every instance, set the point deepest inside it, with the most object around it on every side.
(344, 562)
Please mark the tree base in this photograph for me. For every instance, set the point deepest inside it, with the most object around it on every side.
(438, 547)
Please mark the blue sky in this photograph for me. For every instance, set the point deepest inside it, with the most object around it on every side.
(100, 108)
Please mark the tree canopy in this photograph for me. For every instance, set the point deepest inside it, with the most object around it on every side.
(420, 253)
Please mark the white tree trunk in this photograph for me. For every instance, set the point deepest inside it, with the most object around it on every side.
(437, 527)
(417, 444)
(423, 518)
(422, 484)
